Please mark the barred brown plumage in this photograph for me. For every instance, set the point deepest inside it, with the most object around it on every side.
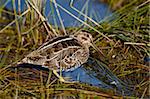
(65, 52)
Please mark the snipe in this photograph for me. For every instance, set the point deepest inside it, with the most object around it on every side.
(62, 53)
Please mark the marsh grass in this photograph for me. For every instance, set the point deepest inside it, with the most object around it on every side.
(122, 37)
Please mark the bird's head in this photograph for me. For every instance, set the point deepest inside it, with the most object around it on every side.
(85, 38)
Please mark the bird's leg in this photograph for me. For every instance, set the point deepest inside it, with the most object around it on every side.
(61, 78)
(59, 75)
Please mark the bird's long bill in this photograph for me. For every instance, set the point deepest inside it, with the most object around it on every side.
(96, 48)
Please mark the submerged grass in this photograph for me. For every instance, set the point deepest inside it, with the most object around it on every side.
(126, 52)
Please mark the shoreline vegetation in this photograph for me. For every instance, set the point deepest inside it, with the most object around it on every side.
(123, 39)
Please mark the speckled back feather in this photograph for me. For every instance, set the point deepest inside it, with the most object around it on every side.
(65, 53)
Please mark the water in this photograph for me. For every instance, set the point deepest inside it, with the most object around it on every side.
(92, 8)
(98, 74)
